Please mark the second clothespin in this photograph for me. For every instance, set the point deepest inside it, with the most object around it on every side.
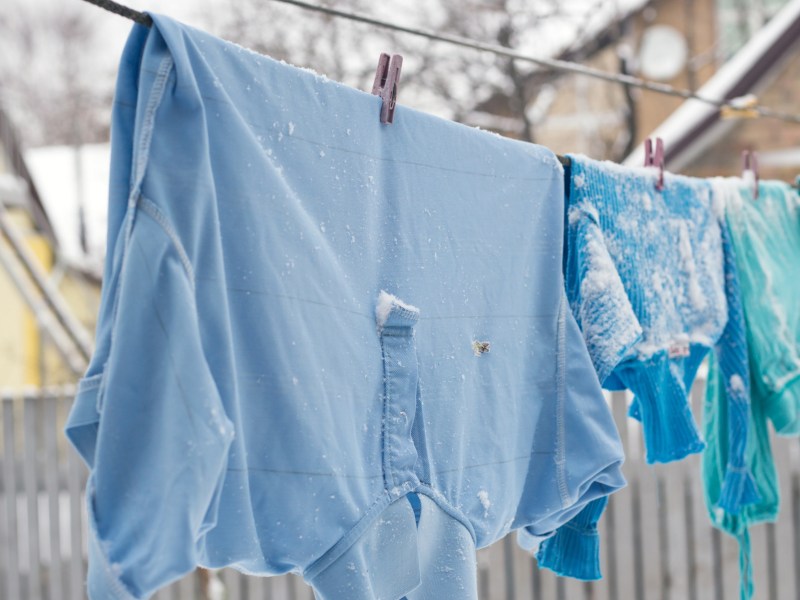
(387, 77)
(750, 169)
(743, 107)
(655, 159)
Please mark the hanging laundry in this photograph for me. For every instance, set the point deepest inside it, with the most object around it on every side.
(574, 550)
(763, 233)
(325, 345)
(737, 443)
(727, 410)
(766, 235)
(645, 281)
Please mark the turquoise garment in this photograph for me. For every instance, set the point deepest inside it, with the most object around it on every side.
(729, 395)
(645, 281)
(761, 239)
(766, 234)
(325, 345)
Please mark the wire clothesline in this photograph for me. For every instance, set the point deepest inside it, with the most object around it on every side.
(550, 63)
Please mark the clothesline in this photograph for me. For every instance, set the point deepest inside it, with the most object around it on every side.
(550, 63)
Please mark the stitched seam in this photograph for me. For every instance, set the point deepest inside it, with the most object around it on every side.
(444, 504)
(117, 587)
(387, 461)
(90, 383)
(560, 425)
(508, 177)
(349, 538)
(587, 532)
(156, 94)
(149, 208)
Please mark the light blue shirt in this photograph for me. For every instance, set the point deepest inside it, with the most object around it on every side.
(325, 345)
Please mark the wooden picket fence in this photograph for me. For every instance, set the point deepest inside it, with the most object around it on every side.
(657, 543)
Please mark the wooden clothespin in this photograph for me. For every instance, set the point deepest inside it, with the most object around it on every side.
(655, 159)
(743, 107)
(387, 76)
(750, 169)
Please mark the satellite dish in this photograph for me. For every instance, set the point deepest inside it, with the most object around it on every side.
(662, 53)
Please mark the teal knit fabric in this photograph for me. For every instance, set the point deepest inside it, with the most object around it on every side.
(766, 235)
(764, 246)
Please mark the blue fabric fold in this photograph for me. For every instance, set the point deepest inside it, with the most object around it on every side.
(574, 550)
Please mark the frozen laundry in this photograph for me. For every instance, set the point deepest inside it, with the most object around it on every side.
(286, 375)
(645, 281)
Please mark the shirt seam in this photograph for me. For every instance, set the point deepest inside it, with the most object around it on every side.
(153, 102)
(143, 149)
(587, 531)
(150, 209)
(90, 383)
(560, 395)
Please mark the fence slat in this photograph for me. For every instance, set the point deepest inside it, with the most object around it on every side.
(75, 486)
(256, 588)
(232, 580)
(780, 543)
(615, 544)
(719, 571)
(29, 410)
(689, 533)
(187, 586)
(299, 589)
(536, 580)
(522, 566)
(55, 577)
(10, 489)
(796, 528)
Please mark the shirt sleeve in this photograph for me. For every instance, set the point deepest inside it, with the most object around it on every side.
(596, 293)
(150, 423)
(586, 466)
(574, 550)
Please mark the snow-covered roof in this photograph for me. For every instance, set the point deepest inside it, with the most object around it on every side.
(695, 125)
(55, 172)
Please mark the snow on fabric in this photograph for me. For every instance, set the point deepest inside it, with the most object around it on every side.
(766, 234)
(256, 211)
(645, 281)
(739, 476)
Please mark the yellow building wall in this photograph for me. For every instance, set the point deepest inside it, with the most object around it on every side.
(32, 339)
(27, 358)
(12, 333)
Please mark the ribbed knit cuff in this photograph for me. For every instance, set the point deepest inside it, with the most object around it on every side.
(662, 406)
(574, 551)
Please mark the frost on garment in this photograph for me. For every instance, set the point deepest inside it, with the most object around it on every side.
(645, 282)
(307, 357)
(738, 471)
(765, 241)
(766, 234)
